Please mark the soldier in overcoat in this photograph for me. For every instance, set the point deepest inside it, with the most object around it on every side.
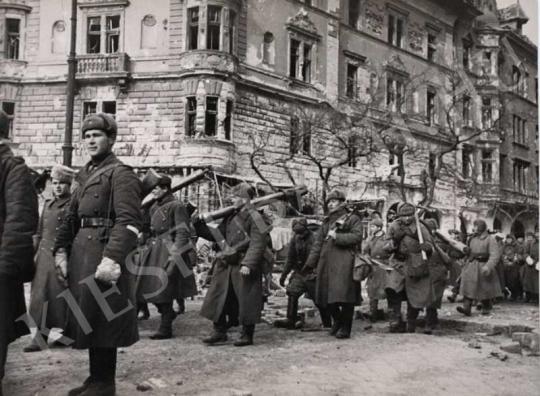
(100, 230)
(299, 281)
(421, 276)
(529, 271)
(479, 279)
(48, 309)
(333, 255)
(377, 279)
(235, 295)
(18, 222)
(168, 249)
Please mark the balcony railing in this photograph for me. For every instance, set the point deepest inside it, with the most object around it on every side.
(102, 64)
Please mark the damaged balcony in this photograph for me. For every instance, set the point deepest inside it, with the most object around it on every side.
(208, 152)
(206, 61)
(99, 66)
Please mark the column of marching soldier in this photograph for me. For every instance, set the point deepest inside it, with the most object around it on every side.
(99, 256)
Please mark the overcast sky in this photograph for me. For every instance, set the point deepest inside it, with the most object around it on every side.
(531, 9)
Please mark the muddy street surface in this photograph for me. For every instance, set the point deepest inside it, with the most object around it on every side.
(457, 360)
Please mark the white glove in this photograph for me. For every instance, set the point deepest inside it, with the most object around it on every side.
(108, 271)
(60, 262)
(529, 260)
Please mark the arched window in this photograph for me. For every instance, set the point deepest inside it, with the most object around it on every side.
(59, 38)
(149, 32)
(269, 51)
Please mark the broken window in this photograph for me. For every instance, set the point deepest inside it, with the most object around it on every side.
(487, 166)
(396, 25)
(109, 107)
(193, 28)
(487, 113)
(228, 119)
(93, 45)
(432, 47)
(232, 32)
(13, 36)
(394, 94)
(467, 47)
(431, 106)
(89, 108)
(294, 58)
(112, 34)
(191, 115)
(352, 81)
(210, 121)
(354, 13)
(9, 109)
(306, 64)
(521, 170)
(214, 27)
(467, 161)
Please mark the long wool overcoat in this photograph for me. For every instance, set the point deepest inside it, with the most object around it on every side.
(424, 290)
(171, 230)
(106, 316)
(46, 287)
(529, 273)
(334, 259)
(484, 252)
(248, 289)
(18, 222)
(377, 279)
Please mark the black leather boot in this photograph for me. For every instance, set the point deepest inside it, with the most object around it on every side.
(347, 313)
(292, 314)
(165, 327)
(373, 310)
(466, 308)
(432, 320)
(326, 318)
(80, 389)
(100, 388)
(412, 315)
(397, 325)
(219, 335)
(336, 317)
(246, 338)
(486, 307)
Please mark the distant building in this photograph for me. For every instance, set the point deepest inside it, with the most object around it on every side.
(194, 83)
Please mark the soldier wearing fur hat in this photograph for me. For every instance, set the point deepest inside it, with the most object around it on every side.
(299, 282)
(479, 279)
(99, 231)
(47, 308)
(333, 255)
(235, 295)
(167, 249)
(420, 270)
(376, 280)
(18, 222)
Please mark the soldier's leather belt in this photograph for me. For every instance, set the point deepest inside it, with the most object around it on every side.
(482, 259)
(89, 222)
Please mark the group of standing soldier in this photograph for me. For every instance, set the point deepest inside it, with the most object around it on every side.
(99, 256)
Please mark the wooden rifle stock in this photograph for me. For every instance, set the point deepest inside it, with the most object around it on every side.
(457, 245)
(257, 203)
(194, 177)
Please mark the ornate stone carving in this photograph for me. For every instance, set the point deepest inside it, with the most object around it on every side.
(395, 64)
(302, 23)
(375, 17)
(416, 37)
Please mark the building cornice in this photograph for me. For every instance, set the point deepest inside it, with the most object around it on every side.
(20, 7)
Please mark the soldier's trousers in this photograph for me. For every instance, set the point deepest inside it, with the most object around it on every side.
(394, 300)
(103, 364)
(230, 312)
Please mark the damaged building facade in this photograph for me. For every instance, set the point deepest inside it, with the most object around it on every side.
(196, 83)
